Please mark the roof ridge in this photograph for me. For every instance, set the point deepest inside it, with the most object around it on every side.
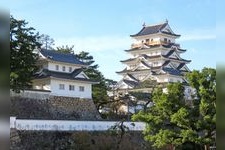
(156, 24)
(55, 51)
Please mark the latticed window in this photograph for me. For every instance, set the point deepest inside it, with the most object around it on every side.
(70, 69)
(81, 88)
(63, 68)
(56, 67)
(61, 86)
(71, 87)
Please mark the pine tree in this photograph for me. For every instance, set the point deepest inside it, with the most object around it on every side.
(23, 41)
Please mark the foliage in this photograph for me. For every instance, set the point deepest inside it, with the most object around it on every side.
(205, 108)
(99, 93)
(23, 41)
(172, 121)
(46, 42)
(147, 84)
(161, 128)
(110, 84)
(65, 49)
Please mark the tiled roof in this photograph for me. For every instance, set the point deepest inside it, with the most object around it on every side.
(132, 77)
(146, 30)
(150, 30)
(172, 71)
(145, 64)
(143, 55)
(169, 53)
(184, 60)
(170, 33)
(180, 66)
(166, 62)
(127, 71)
(182, 50)
(61, 57)
(127, 60)
(62, 75)
(130, 83)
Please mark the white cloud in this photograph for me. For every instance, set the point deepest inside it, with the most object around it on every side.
(198, 34)
(95, 44)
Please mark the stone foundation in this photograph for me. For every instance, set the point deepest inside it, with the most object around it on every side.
(43, 140)
(54, 107)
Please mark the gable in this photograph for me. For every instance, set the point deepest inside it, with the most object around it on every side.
(167, 29)
(82, 75)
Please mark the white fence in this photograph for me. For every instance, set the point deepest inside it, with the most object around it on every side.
(34, 94)
(66, 125)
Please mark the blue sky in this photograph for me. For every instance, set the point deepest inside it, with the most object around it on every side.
(103, 27)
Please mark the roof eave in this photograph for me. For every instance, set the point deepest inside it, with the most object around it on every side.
(83, 81)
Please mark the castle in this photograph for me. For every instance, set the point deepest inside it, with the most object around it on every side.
(62, 74)
(155, 56)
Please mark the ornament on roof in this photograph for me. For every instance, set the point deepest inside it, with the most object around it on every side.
(143, 24)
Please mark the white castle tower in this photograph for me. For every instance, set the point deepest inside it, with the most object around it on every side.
(155, 56)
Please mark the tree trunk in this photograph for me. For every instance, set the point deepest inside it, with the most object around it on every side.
(172, 147)
(206, 147)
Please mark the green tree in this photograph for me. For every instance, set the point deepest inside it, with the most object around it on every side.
(172, 121)
(161, 129)
(66, 49)
(23, 41)
(204, 107)
(46, 42)
(99, 93)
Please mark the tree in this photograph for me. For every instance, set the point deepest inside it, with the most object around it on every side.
(23, 41)
(46, 42)
(99, 93)
(161, 128)
(65, 49)
(172, 121)
(204, 108)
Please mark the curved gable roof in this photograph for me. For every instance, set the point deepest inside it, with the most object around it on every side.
(61, 57)
(150, 29)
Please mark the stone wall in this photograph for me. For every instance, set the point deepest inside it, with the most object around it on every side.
(54, 107)
(41, 140)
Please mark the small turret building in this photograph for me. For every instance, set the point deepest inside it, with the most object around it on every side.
(62, 74)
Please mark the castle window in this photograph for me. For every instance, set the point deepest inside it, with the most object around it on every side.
(155, 63)
(147, 40)
(56, 67)
(81, 88)
(61, 86)
(165, 39)
(70, 69)
(63, 68)
(71, 87)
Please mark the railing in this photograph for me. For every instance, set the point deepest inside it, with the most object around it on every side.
(31, 93)
(152, 43)
(67, 125)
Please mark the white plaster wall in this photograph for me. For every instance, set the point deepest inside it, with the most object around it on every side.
(87, 93)
(52, 66)
(41, 84)
(155, 37)
(66, 125)
(42, 95)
